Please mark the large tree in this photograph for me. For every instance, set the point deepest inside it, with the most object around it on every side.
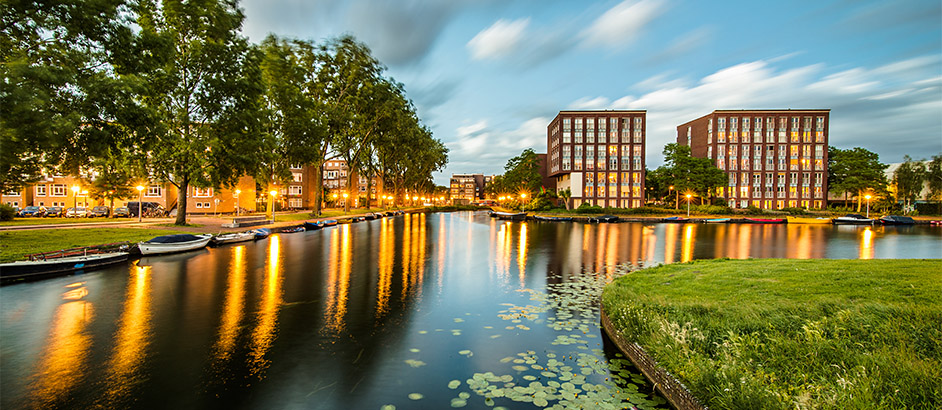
(697, 176)
(206, 92)
(855, 171)
(934, 179)
(522, 173)
(909, 180)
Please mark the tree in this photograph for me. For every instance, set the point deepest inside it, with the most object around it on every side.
(909, 179)
(522, 173)
(566, 194)
(856, 171)
(114, 178)
(934, 179)
(205, 90)
(697, 176)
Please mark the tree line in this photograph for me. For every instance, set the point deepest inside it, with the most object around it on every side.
(170, 91)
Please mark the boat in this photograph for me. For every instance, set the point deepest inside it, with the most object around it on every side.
(852, 219)
(897, 220)
(51, 266)
(513, 216)
(604, 219)
(313, 225)
(764, 220)
(329, 222)
(553, 218)
(174, 243)
(261, 233)
(294, 229)
(808, 220)
(717, 221)
(233, 237)
(675, 219)
(935, 223)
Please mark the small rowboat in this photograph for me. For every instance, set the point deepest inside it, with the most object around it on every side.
(801, 220)
(233, 238)
(174, 243)
(764, 220)
(329, 222)
(897, 220)
(675, 219)
(852, 219)
(552, 218)
(518, 216)
(716, 221)
(313, 226)
(261, 233)
(294, 229)
(52, 266)
(604, 219)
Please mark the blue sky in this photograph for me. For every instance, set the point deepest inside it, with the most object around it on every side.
(488, 76)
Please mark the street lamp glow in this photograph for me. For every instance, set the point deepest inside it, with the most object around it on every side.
(273, 192)
(688, 204)
(140, 204)
(868, 204)
(238, 208)
(345, 195)
(523, 195)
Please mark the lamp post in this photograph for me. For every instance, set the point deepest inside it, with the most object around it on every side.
(688, 205)
(669, 190)
(271, 205)
(868, 204)
(238, 208)
(75, 191)
(140, 205)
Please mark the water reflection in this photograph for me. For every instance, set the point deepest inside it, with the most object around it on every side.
(522, 255)
(866, 243)
(64, 361)
(132, 339)
(233, 307)
(266, 329)
(387, 256)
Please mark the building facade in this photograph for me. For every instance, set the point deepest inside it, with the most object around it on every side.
(598, 156)
(467, 188)
(773, 158)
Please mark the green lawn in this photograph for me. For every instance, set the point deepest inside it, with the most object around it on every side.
(791, 334)
(15, 244)
(56, 221)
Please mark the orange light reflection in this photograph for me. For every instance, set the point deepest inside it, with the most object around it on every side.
(266, 329)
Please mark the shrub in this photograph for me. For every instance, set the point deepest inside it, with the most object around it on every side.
(795, 211)
(541, 203)
(587, 208)
(753, 210)
(7, 212)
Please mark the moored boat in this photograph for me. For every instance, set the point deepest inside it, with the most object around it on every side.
(513, 216)
(233, 237)
(604, 219)
(313, 225)
(173, 243)
(808, 220)
(764, 220)
(675, 219)
(52, 266)
(716, 221)
(294, 229)
(897, 220)
(553, 218)
(261, 233)
(329, 222)
(852, 219)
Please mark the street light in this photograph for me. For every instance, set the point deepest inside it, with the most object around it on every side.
(688, 205)
(75, 191)
(140, 205)
(868, 204)
(271, 205)
(238, 207)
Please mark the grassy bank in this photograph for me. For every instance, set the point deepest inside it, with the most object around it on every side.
(787, 334)
(15, 244)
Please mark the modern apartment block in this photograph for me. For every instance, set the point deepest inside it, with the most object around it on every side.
(773, 158)
(599, 156)
(467, 188)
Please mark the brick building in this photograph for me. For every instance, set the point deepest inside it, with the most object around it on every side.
(467, 188)
(773, 158)
(598, 156)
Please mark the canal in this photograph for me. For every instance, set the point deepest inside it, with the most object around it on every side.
(418, 311)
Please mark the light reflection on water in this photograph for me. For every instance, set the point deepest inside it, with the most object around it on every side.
(326, 319)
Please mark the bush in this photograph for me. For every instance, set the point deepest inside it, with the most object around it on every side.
(753, 210)
(795, 211)
(539, 204)
(929, 208)
(7, 212)
(586, 208)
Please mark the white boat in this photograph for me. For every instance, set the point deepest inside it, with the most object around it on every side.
(233, 237)
(852, 219)
(174, 243)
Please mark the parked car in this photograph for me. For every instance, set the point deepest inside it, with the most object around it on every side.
(102, 211)
(54, 212)
(77, 212)
(31, 211)
(122, 212)
(149, 207)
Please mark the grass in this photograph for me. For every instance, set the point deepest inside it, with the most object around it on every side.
(15, 244)
(791, 334)
(57, 221)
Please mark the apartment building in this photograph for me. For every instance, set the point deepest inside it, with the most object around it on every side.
(467, 188)
(599, 156)
(773, 158)
(222, 201)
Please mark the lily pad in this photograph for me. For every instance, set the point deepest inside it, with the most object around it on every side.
(416, 396)
(415, 363)
(454, 384)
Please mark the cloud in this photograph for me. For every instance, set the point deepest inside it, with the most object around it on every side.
(623, 23)
(682, 46)
(431, 95)
(499, 40)
(891, 109)
(482, 148)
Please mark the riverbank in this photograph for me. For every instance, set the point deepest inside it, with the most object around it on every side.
(783, 334)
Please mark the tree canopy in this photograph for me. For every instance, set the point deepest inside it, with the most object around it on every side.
(909, 180)
(521, 174)
(855, 171)
(687, 174)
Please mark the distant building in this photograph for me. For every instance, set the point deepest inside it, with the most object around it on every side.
(598, 156)
(467, 188)
(773, 158)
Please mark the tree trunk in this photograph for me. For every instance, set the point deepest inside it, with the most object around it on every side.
(858, 202)
(346, 201)
(181, 202)
(677, 201)
(111, 208)
(318, 189)
(369, 186)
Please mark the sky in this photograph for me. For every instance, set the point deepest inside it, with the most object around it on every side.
(488, 76)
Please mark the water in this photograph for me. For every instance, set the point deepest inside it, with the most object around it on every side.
(361, 316)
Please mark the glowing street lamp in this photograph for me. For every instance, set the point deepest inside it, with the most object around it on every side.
(688, 205)
(271, 205)
(868, 204)
(140, 204)
(238, 208)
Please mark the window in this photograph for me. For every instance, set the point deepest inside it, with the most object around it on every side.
(294, 203)
(601, 162)
(793, 178)
(296, 176)
(202, 192)
(637, 129)
(817, 178)
(41, 190)
(58, 190)
(153, 191)
(732, 178)
(294, 190)
(756, 179)
(578, 136)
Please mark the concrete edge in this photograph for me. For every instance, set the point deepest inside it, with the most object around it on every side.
(665, 383)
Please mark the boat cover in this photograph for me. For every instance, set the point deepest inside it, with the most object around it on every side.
(175, 238)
